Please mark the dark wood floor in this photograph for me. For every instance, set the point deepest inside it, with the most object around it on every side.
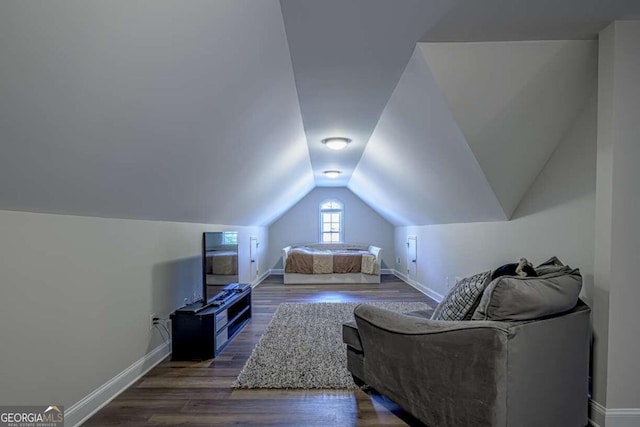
(200, 393)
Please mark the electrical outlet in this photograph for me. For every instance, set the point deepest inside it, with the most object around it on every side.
(152, 321)
(397, 260)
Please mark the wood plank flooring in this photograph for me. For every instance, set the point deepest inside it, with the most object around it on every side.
(200, 393)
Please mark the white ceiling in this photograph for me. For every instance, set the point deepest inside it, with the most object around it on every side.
(347, 58)
(212, 110)
(152, 109)
(516, 105)
(348, 55)
(500, 20)
(418, 168)
(459, 146)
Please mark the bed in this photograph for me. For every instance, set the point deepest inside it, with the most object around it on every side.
(331, 263)
(221, 267)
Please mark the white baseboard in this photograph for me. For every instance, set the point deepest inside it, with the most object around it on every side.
(260, 278)
(80, 411)
(599, 416)
(419, 286)
(622, 417)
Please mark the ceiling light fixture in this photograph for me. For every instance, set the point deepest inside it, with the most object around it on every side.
(332, 174)
(336, 143)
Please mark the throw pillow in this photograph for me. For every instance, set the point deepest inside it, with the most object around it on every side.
(463, 298)
(524, 298)
(551, 261)
(552, 265)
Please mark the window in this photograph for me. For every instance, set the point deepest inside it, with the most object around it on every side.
(331, 228)
(230, 238)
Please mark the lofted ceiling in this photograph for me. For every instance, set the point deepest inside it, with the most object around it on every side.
(347, 58)
(513, 120)
(162, 110)
(213, 110)
(454, 146)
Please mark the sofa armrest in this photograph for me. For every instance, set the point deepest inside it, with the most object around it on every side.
(446, 373)
(399, 323)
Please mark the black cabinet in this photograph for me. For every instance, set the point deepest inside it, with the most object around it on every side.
(202, 333)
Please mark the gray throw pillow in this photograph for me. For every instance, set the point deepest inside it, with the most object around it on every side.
(527, 298)
(552, 265)
(462, 299)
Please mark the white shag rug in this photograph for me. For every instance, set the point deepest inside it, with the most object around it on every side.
(302, 347)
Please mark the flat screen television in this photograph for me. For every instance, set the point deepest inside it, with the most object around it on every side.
(219, 262)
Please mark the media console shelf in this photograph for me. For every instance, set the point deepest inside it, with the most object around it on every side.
(202, 333)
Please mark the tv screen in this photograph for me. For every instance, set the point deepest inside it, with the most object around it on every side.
(219, 262)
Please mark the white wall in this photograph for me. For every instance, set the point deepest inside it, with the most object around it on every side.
(301, 225)
(602, 245)
(556, 217)
(77, 293)
(623, 121)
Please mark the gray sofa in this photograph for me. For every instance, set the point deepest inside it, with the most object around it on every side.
(515, 371)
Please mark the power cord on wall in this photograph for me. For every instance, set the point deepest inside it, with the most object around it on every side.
(160, 324)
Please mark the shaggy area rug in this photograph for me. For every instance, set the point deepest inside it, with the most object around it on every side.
(302, 347)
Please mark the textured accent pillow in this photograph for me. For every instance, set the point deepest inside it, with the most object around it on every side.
(463, 298)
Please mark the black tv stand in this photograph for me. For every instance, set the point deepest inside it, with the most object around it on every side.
(201, 332)
(192, 308)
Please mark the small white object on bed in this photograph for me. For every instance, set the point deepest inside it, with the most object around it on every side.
(371, 262)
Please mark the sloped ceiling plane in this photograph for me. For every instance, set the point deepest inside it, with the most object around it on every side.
(214, 111)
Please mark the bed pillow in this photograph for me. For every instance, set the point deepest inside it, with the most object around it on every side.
(462, 299)
(527, 298)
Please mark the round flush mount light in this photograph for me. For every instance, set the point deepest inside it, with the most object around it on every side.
(336, 143)
(332, 174)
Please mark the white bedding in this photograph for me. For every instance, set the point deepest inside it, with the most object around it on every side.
(370, 267)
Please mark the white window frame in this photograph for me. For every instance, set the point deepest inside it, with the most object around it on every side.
(333, 210)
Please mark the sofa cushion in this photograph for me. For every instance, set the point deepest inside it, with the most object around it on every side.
(462, 299)
(526, 298)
